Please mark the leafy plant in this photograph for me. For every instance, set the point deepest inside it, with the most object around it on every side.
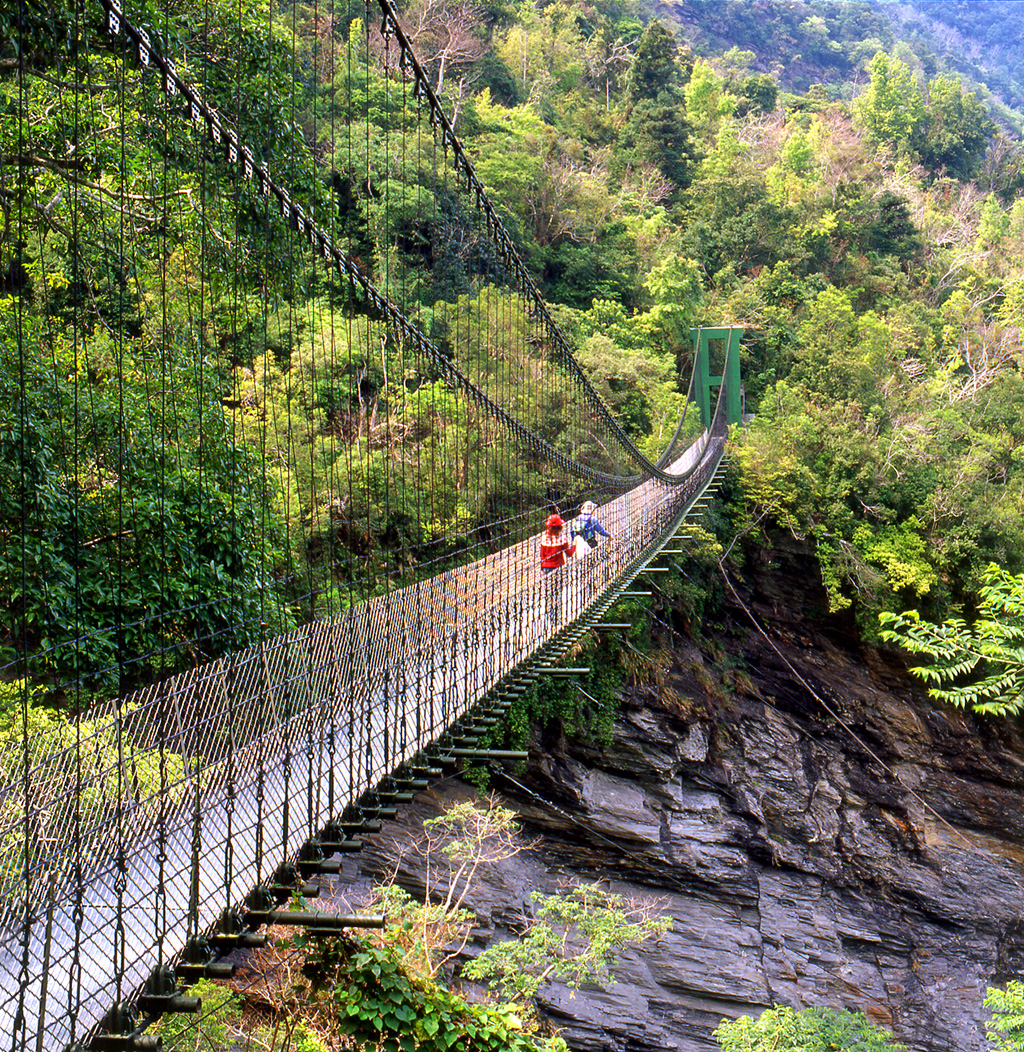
(153, 543)
(573, 938)
(386, 988)
(587, 706)
(784, 1029)
(380, 1004)
(1006, 1027)
(454, 847)
(979, 665)
(222, 1023)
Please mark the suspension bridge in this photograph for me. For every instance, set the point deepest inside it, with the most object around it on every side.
(271, 560)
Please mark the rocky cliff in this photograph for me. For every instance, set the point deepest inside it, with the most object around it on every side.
(818, 831)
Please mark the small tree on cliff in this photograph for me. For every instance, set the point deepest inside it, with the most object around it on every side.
(1006, 1027)
(784, 1029)
(979, 665)
(574, 936)
(454, 847)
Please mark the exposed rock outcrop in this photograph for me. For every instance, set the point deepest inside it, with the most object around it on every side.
(868, 857)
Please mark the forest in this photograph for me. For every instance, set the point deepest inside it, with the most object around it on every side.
(866, 233)
(844, 180)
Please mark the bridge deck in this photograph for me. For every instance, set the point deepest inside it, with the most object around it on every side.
(275, 742)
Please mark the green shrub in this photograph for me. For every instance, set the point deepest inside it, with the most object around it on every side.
(784, 1029)
(380, 1005)
(1006, 1027)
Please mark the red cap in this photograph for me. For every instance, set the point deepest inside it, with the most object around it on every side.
(554, 522)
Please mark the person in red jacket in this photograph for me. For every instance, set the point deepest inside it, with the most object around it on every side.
(555, 550)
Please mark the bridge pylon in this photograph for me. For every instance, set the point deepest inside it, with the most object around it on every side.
(704, 380)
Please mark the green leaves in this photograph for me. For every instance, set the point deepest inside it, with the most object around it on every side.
(901, 553)
(784, 1029)
(150, 542)
(209, 1030)
(574, 938)
(379, 1003)
(981, 665)
(957, 129)
(1006, 1027)
(41, 739)
(891, 110)
(947, 127)
(386, 993)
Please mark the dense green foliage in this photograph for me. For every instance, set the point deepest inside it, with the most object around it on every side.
(585, 708)
(949, 132)
(62, 813)
(381, 1006)
(811, 172)
(784, 1029)
(138, 534)
(981, 665)
(1006, 1027)
(869, 242)
(826, 45)
(220, 1025)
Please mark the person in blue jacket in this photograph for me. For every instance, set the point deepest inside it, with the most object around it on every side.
(585, 525)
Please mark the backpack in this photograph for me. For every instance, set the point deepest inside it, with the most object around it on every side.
(583, 526)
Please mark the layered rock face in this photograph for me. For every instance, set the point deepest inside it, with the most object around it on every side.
(818, 831)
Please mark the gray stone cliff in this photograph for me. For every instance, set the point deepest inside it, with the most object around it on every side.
(869, 858)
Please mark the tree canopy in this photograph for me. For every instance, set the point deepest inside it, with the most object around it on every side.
(877, 277)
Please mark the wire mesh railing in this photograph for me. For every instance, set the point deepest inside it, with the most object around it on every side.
(254, 754)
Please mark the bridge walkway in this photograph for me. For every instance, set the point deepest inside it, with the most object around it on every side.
(276, 742)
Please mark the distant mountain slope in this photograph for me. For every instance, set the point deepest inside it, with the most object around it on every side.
(980, 39)
(830, 42)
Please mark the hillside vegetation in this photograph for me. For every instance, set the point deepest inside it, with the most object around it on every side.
(829, 43)
(867, 232)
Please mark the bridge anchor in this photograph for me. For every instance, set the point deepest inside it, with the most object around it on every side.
(162, 995)
(122, 1035)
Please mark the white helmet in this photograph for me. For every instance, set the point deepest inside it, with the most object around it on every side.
(588, 508)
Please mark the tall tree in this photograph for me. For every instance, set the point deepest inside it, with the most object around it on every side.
(659, 134)
(654, 68)
(891, 109)
(956, 130)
